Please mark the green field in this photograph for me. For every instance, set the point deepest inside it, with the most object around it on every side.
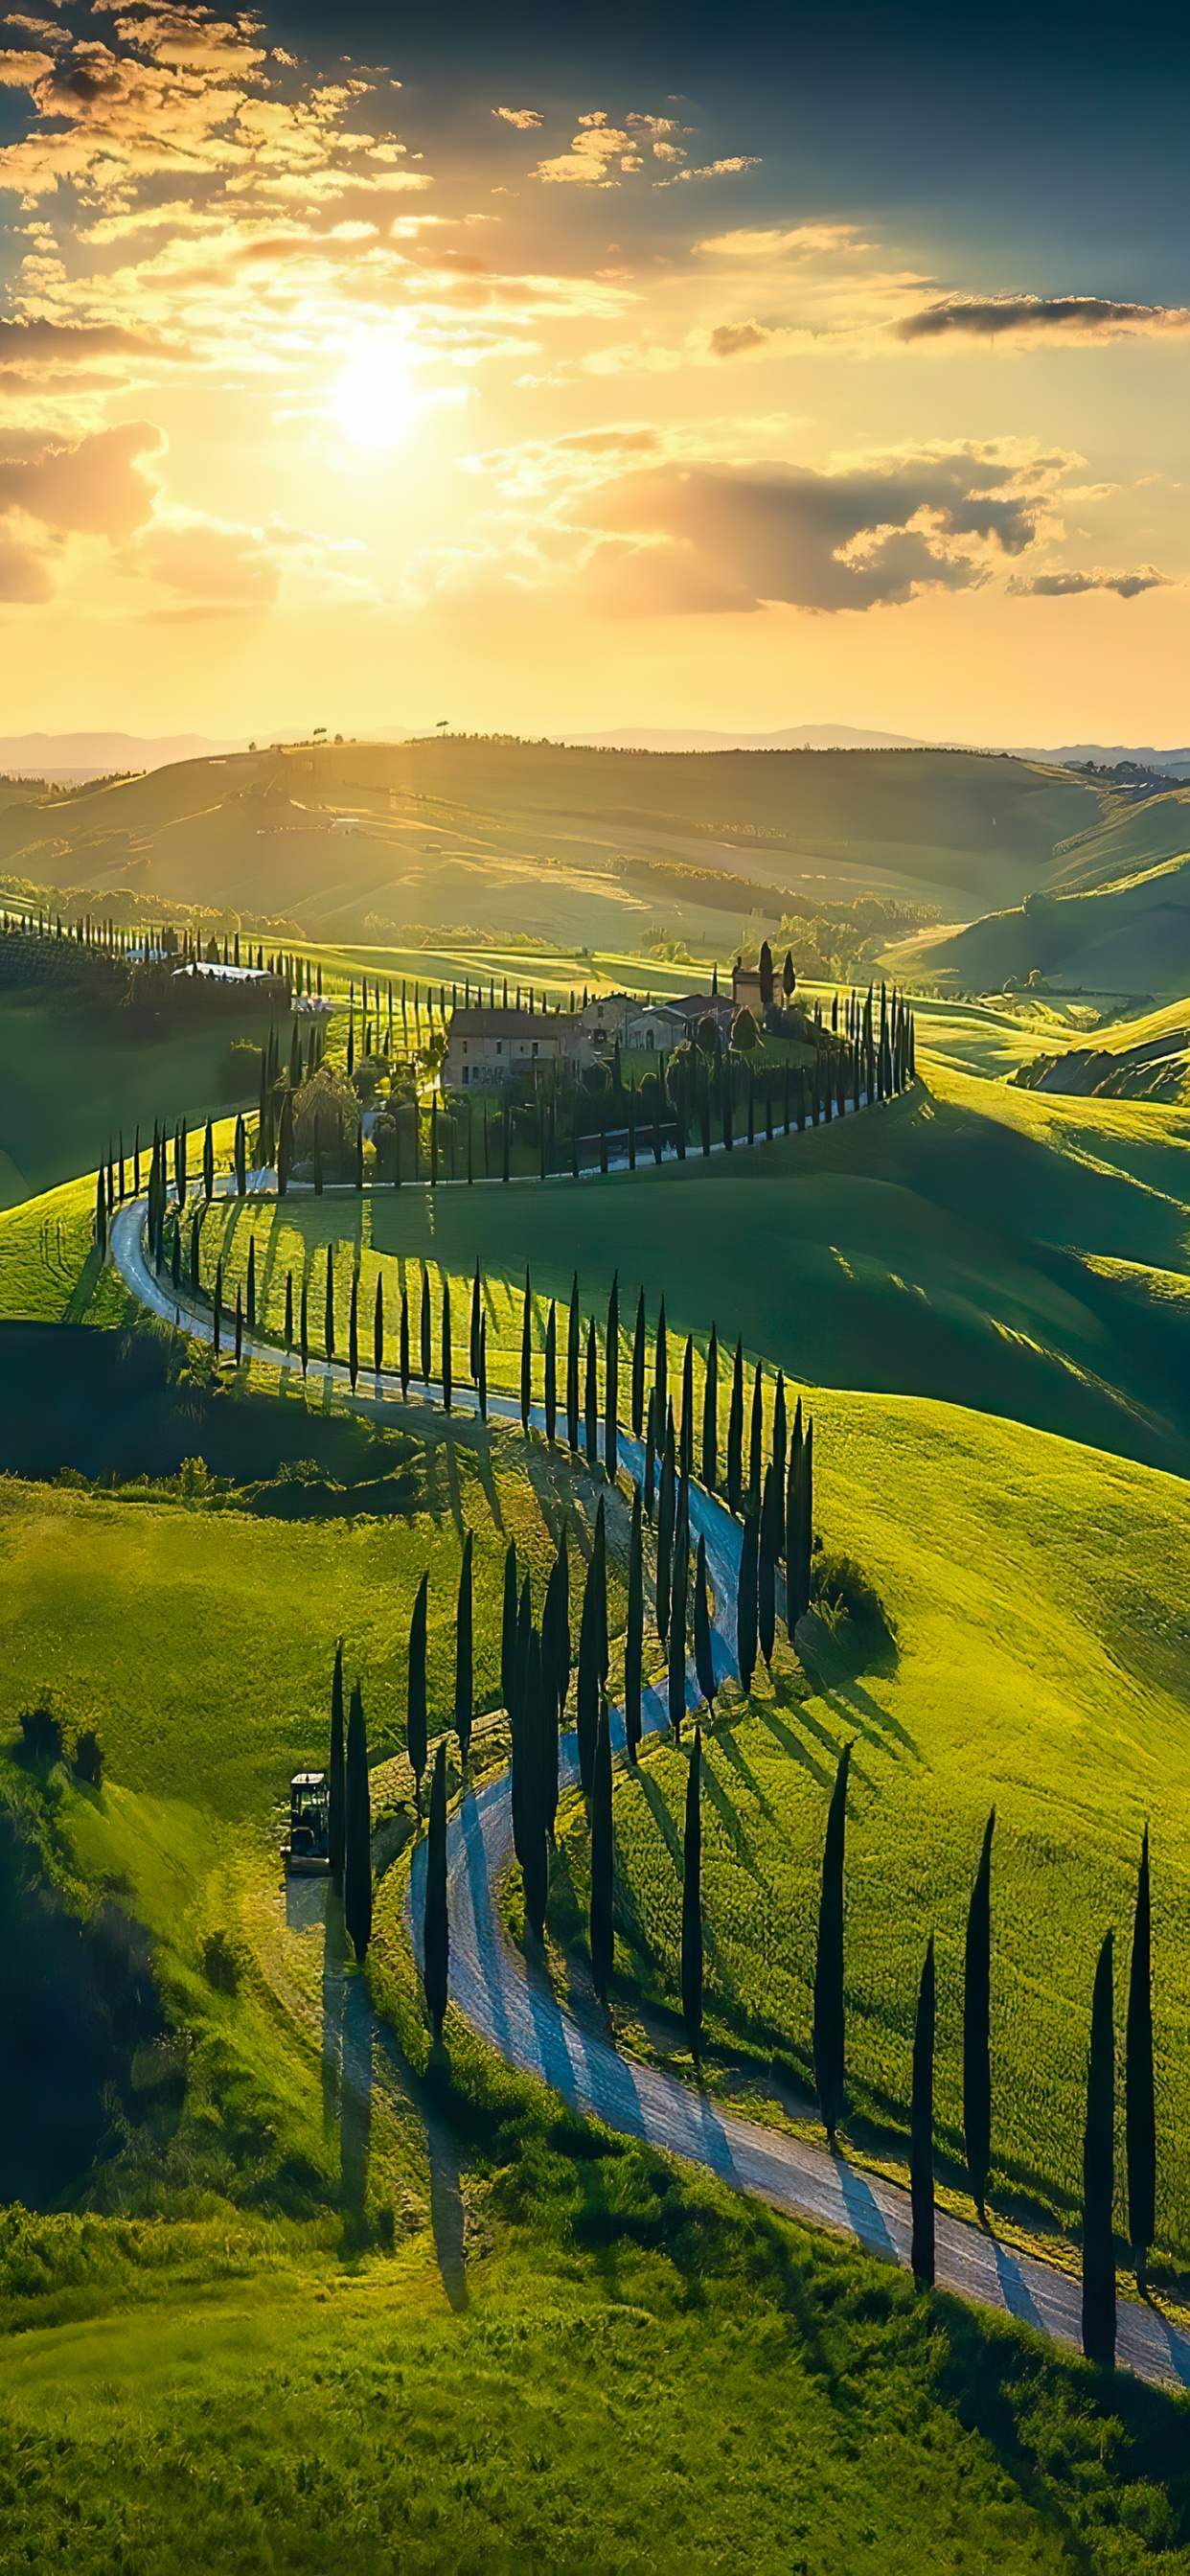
(963, 1242)
(67, 1089)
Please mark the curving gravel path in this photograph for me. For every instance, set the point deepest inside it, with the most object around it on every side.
(510, 2004)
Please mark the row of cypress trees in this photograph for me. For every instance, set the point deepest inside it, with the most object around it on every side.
(829, 2059)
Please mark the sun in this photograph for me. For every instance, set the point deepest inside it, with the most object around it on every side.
(372, 399)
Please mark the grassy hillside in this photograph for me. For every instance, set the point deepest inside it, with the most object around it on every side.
(1128, 935)
(67, 1088)
(1037, 1593)
(962, 1243)
(519, 836)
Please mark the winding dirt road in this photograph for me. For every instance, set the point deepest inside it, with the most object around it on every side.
(512, 2006)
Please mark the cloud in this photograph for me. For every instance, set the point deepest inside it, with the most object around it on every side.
(1072, 585)
(799, 241)
(206, 559)
(731, 168)
(25, 579)
(524, 118)
(93, 488)
(30, 342)
(734, 339)
(1059, 317)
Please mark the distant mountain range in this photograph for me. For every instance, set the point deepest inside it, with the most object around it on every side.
(69, 758)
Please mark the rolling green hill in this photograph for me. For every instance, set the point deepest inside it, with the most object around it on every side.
(1128, 936)
(514, 836)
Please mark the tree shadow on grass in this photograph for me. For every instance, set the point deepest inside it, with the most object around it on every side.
(768, 1714)
(729, 1817)
(728, 1746)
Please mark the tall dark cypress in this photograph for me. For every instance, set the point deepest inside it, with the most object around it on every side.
(337, 1775)
(756, 1441)
(427, 1329)
(464, 1654)
(611, 1383)
(587, 1704)
(704, 1659)
(591, 1399)
(551, 1373)
(829, 2016)
(378, 1326)
(794, 1604)
(482, 1381)
(807, 1529)
(572, 1369)
(650, 1490)
(436, 1950)
(552, 1689)
(780, 1451)
(1099, 2173)
(304, 1327)
(638, 1369)
(602, 1859)
(447, 1351)
(527, 1355)
(686, 1449)
(328, 1305)
(735, 1433)
(521, 1783)
(692, 1963)
(101, 1213)
(679, 1588)
(710, 1415)
(977, 2034)
(416, 1709)
(353, 1332)
(1140, 2115)
(250, 1291)
(476, 1312)
(403, 1343)
(747, 1602)
(921, 2127)
(660, 1373)
(666, 1504)
(534, 1732)
(599, 1579)
(634, 1633)
(508, 1628)
(767, 1546)
(357, 1841)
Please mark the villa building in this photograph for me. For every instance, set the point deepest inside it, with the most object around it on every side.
(498, 1046)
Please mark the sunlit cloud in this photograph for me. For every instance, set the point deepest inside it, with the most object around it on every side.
(1060, 317)
(1060, 584)
(524, 118)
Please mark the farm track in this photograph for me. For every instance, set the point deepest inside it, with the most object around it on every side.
(510, 2004)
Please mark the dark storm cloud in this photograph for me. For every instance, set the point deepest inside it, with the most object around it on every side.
(1092, 317)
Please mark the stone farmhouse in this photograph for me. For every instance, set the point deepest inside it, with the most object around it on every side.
(485, 1046)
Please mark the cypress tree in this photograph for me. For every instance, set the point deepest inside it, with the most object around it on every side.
(251, 1293)
(427, 1335)
(611, 1384)
(666, 1503)
(217, 1304)
(1099, 2173)
(661, 1373)
(476, 1313)
(686, 1451)
(768, 1542)
(747, 1602)
(416, 1709)
(195, 1276)
(447, 1354)
(483, 1368)
(638, 1369)
(634, 1635)
(704, 1658)
(436, 1934)
(208, 1163)
(551, 1373)
(101, 1214)
(337, 1777)
(328, 1311)
(526, 1356)
(353, 1332)
(599, 1575)
(735, 1433)
(555, 1674)
(1140, 2117)
(650, 1457)
(378, 1326)
(240, 1156)
(679, 1588)
(756, 1442)
(508, 1629)
(521, 1784)
(692, 1965)
(535, 1857)
(829, 2019)
(284, 1144)
(602, 1859)
(780, 1449)
(921, 2127)
(239, 1324)
(591, 1399)
(587, 1707)
(357, 1842)
(710, 1415)
(305, 1327)
(977, 2045)
(464, 1655)
(572, 1355)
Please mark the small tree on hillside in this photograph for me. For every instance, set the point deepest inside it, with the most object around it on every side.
(829, 2013)
(357, 1855)
(416, 1712)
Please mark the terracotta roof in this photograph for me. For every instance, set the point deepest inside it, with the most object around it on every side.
(511, 1024)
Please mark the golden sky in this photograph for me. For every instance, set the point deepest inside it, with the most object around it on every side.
(326, 405)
